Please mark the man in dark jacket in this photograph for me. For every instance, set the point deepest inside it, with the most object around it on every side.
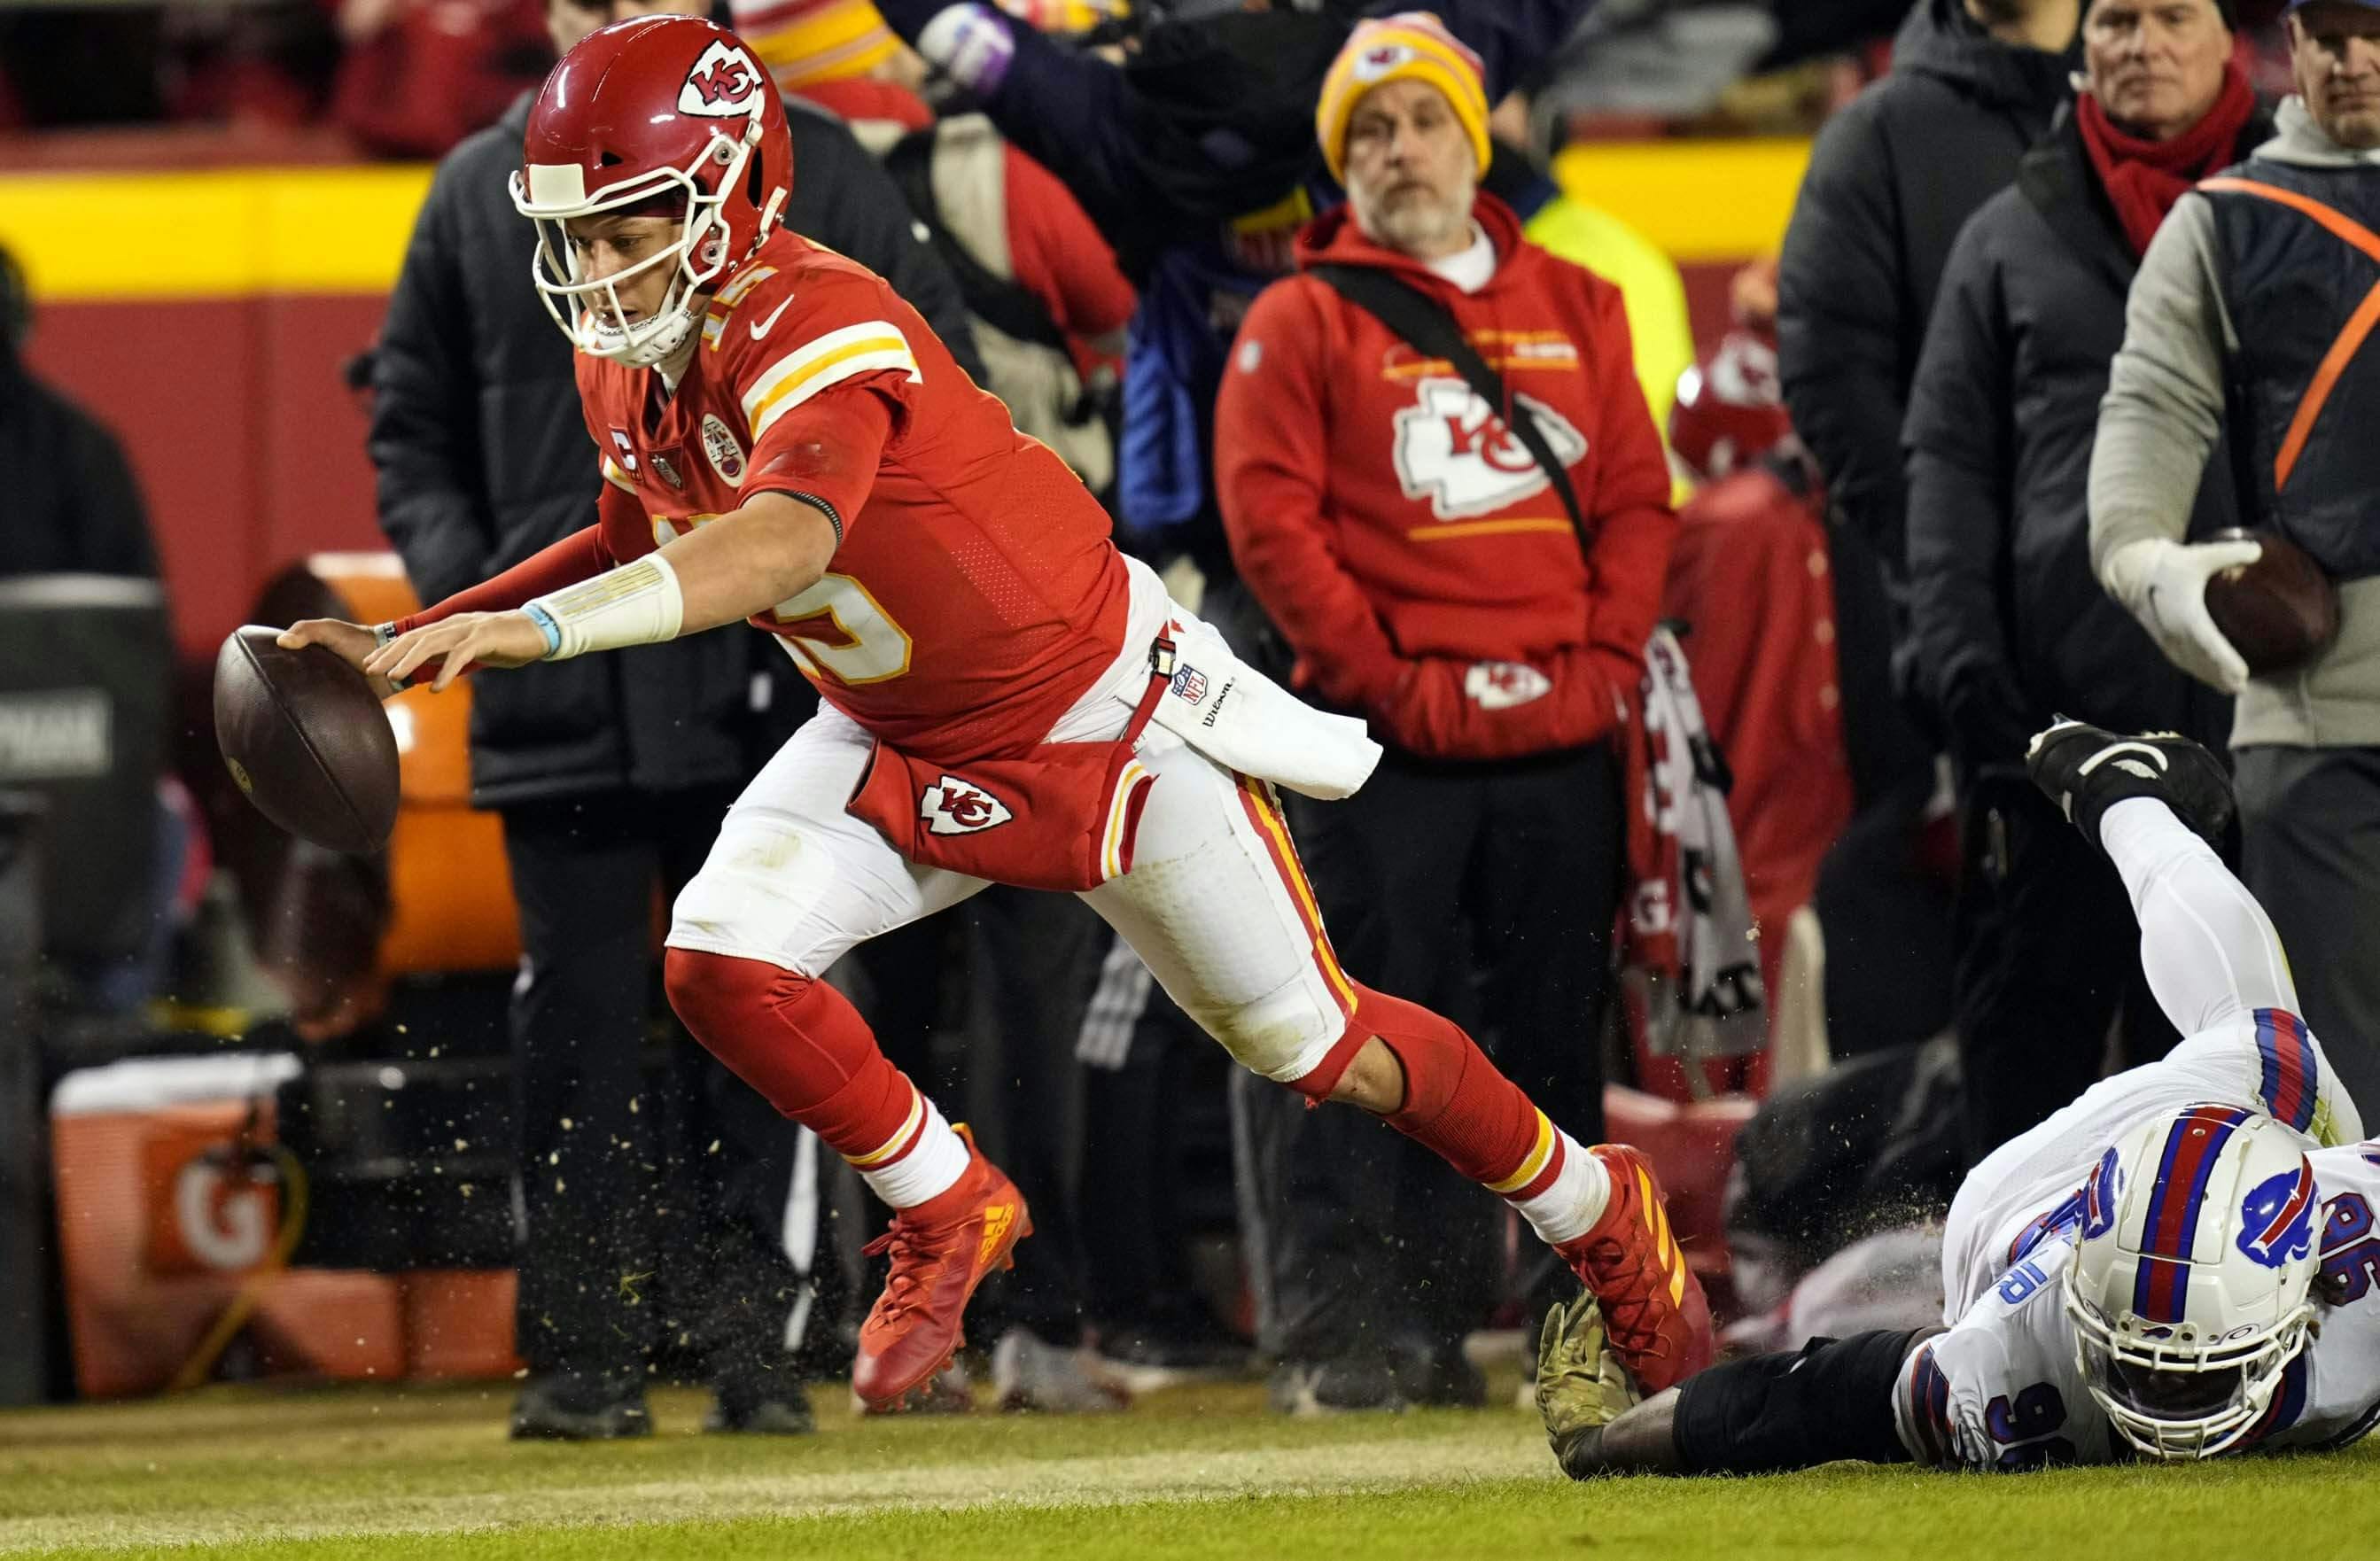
(611, 779)
(2010, 626)
(73, 505)
(1891, 179)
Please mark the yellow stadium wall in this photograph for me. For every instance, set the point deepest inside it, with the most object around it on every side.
(205, 316)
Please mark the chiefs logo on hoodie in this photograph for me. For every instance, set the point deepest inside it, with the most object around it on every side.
(1453, 450)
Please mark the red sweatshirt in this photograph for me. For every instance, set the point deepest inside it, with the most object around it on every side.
(1416, 556)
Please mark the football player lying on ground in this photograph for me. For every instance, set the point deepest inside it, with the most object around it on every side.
(2184, 1263)
(1005, 695)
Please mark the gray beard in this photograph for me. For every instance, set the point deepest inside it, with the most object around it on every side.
(1415, 225)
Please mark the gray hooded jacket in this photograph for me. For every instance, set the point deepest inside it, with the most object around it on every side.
(2164, 408)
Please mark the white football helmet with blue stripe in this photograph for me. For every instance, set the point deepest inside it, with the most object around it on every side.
(2191, 1284)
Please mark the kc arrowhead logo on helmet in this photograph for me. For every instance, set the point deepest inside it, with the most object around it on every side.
(653, 117)
(722, 83)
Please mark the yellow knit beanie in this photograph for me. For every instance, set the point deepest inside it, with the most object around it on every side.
(1410, 45)
(806, 41)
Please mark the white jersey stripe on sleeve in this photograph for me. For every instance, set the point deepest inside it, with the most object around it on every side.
(836, 356)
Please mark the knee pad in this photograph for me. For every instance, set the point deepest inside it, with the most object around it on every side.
(1287, 1037)
(759, 895)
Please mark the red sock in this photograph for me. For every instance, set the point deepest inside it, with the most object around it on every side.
(800, 1042)
(1456, 1103)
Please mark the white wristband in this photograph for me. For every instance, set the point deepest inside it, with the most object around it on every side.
(638, 603)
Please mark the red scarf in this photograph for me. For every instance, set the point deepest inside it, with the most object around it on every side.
(2144, 178)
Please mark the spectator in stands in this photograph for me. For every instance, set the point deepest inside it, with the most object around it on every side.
(2253, 304)
(74, 507)
(1486, 612)
(417, 76)
(2008, 627)
(1891, 179)
(611, 779)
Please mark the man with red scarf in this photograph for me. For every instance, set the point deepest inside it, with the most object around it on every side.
(2009, 626)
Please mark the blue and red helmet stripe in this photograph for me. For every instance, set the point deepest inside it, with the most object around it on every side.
(2291, 1071)
(2161, 1284)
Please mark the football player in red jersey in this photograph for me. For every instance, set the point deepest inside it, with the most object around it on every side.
(1004, 697)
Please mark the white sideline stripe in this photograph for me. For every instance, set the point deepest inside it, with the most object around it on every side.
(1503, 1447)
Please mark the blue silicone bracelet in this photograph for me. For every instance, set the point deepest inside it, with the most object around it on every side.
(546, 626)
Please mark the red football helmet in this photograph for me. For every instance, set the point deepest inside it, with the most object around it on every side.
(653, 107)
(1731, 409)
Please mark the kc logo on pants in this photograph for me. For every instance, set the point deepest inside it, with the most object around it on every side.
(952, 806)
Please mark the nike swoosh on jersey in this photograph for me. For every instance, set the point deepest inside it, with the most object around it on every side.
(761, 329)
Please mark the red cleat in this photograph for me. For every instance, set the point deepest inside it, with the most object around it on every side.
(1653, 1306)
(942, 1249)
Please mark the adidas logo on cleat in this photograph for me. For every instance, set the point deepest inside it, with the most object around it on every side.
(996, 1221)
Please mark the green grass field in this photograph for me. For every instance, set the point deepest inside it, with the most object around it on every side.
(399, 1474)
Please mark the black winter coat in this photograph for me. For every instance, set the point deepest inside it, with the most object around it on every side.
(73, 507)
(1891, 179)
(483, 459)
(2009, 624)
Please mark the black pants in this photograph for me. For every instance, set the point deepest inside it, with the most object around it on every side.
(654, 1197)
(1034, 959)
(1487, 892)
(1830, 1399)
(1157, 1153)
(2049, 955)
(1889, 924)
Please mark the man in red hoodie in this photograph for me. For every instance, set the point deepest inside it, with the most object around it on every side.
(1424, 568)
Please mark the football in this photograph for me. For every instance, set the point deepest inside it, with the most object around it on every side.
(2279, 612)
(305, 737)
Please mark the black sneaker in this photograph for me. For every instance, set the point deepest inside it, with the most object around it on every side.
(1438, 1376)
(780, 1416)
(2086, 771)
(1181, 1342)
(569, 1407)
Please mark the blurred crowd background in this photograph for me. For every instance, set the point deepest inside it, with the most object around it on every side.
(264, 1110)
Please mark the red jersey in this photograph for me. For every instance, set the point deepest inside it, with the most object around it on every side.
(974, 595)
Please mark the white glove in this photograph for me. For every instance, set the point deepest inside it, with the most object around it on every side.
(2163, 583)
